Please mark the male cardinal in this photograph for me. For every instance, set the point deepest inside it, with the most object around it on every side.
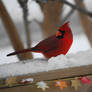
(55, 45)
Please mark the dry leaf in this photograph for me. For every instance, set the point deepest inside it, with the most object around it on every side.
(61, 84)
(76, 84)
(25, 81)
(85, 80)
(10, 81)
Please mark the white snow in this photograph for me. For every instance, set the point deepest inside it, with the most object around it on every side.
(42, 65)
(80, 43)
(35, 13)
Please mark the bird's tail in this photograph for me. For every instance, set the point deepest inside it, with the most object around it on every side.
(23, 51)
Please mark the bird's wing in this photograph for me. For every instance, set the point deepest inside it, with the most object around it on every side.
(48, 44)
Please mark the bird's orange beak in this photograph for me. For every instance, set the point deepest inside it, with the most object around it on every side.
(58, 33)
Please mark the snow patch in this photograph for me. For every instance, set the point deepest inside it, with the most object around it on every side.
(42, 65)
(58, 62)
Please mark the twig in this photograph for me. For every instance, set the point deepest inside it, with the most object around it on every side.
(81, 10)
(86, 23)
(23, 4)
(73, 6)
(69, 14)
(12, 32)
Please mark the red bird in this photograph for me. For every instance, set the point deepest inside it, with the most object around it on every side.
(55, 45)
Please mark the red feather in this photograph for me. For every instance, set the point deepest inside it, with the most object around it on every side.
(54, 45)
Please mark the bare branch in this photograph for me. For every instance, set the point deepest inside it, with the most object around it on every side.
(77, 7)
(12, 32)
(69, 14)
(72, 6)
(86, 23)
(23, 4)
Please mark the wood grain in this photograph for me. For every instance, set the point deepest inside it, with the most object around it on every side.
(52, 13)
(64, 74)
(52, 88)
(12, 32)
(86, 23)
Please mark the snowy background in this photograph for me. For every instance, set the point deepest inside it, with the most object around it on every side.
(80, 41)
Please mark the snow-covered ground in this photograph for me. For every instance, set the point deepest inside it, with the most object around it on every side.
(42, 65)
(80, 41)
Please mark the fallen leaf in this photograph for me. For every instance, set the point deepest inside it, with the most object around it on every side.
(61, 84)
(75, 84)
(25, 81)
(10, 81)
(85, 80)
(42, 85)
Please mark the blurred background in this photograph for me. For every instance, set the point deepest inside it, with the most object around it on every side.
(35, 20)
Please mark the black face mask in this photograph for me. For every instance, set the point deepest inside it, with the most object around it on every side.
(62, 34)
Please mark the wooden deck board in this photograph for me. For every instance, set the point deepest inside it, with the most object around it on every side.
(51, 84)
(66, 73)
